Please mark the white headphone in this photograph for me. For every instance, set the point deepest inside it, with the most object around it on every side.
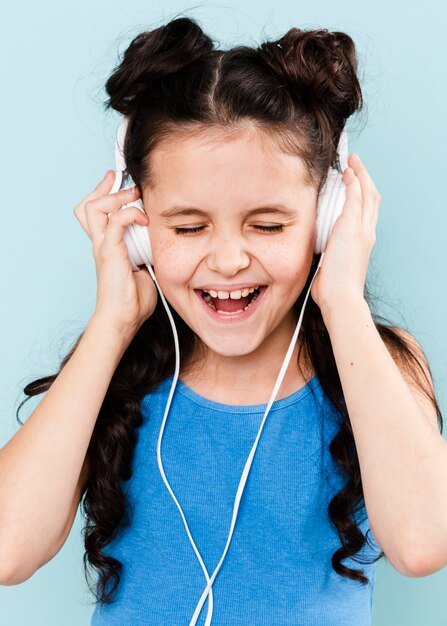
(136, 237)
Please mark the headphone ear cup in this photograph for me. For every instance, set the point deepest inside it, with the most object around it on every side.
(330, 205)
(136, 238)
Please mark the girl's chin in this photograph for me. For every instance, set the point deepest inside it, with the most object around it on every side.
(228, 348)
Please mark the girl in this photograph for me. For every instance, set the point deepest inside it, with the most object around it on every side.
(229, 151)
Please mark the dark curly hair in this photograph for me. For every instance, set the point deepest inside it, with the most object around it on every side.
(300, 90)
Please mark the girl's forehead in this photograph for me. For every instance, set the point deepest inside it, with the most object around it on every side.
(244, 157)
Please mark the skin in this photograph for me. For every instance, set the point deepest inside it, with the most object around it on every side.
(226, 175)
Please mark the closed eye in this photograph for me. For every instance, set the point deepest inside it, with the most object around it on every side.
(277, 228)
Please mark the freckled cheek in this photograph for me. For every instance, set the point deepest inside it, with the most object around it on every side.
(284, 261)
(173, 264)
(288, 269)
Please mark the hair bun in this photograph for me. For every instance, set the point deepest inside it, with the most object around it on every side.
(152, 55)
(319, 67)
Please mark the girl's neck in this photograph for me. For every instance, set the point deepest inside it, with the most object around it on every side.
(248, 379)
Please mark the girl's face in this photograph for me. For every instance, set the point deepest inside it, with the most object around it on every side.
(229, 213)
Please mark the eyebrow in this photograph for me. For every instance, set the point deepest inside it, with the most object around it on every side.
(178, 210)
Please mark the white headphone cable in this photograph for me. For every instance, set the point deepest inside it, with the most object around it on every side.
(249, 461)
(168, 404)
(243, 479)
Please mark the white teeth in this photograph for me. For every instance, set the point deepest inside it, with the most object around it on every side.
(234, 295)
(210, 303)
(230, 312)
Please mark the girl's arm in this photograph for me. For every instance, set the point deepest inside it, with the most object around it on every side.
(41, 464)
(40, 467)
(402, 455)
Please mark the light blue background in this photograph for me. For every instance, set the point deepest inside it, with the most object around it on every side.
(57, 143)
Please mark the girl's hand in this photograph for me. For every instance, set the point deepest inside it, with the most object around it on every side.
(124, 297)
(345, 263)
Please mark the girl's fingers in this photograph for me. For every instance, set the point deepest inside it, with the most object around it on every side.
(102, 193)
(371, 197)
(119, 221)
(96, 210)
(103, 187)
(353, 202)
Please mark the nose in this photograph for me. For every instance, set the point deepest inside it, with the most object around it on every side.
(228, 255)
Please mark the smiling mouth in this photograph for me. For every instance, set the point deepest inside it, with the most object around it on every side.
(230, 305)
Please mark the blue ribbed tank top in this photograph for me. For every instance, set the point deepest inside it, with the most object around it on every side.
(277, 570)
